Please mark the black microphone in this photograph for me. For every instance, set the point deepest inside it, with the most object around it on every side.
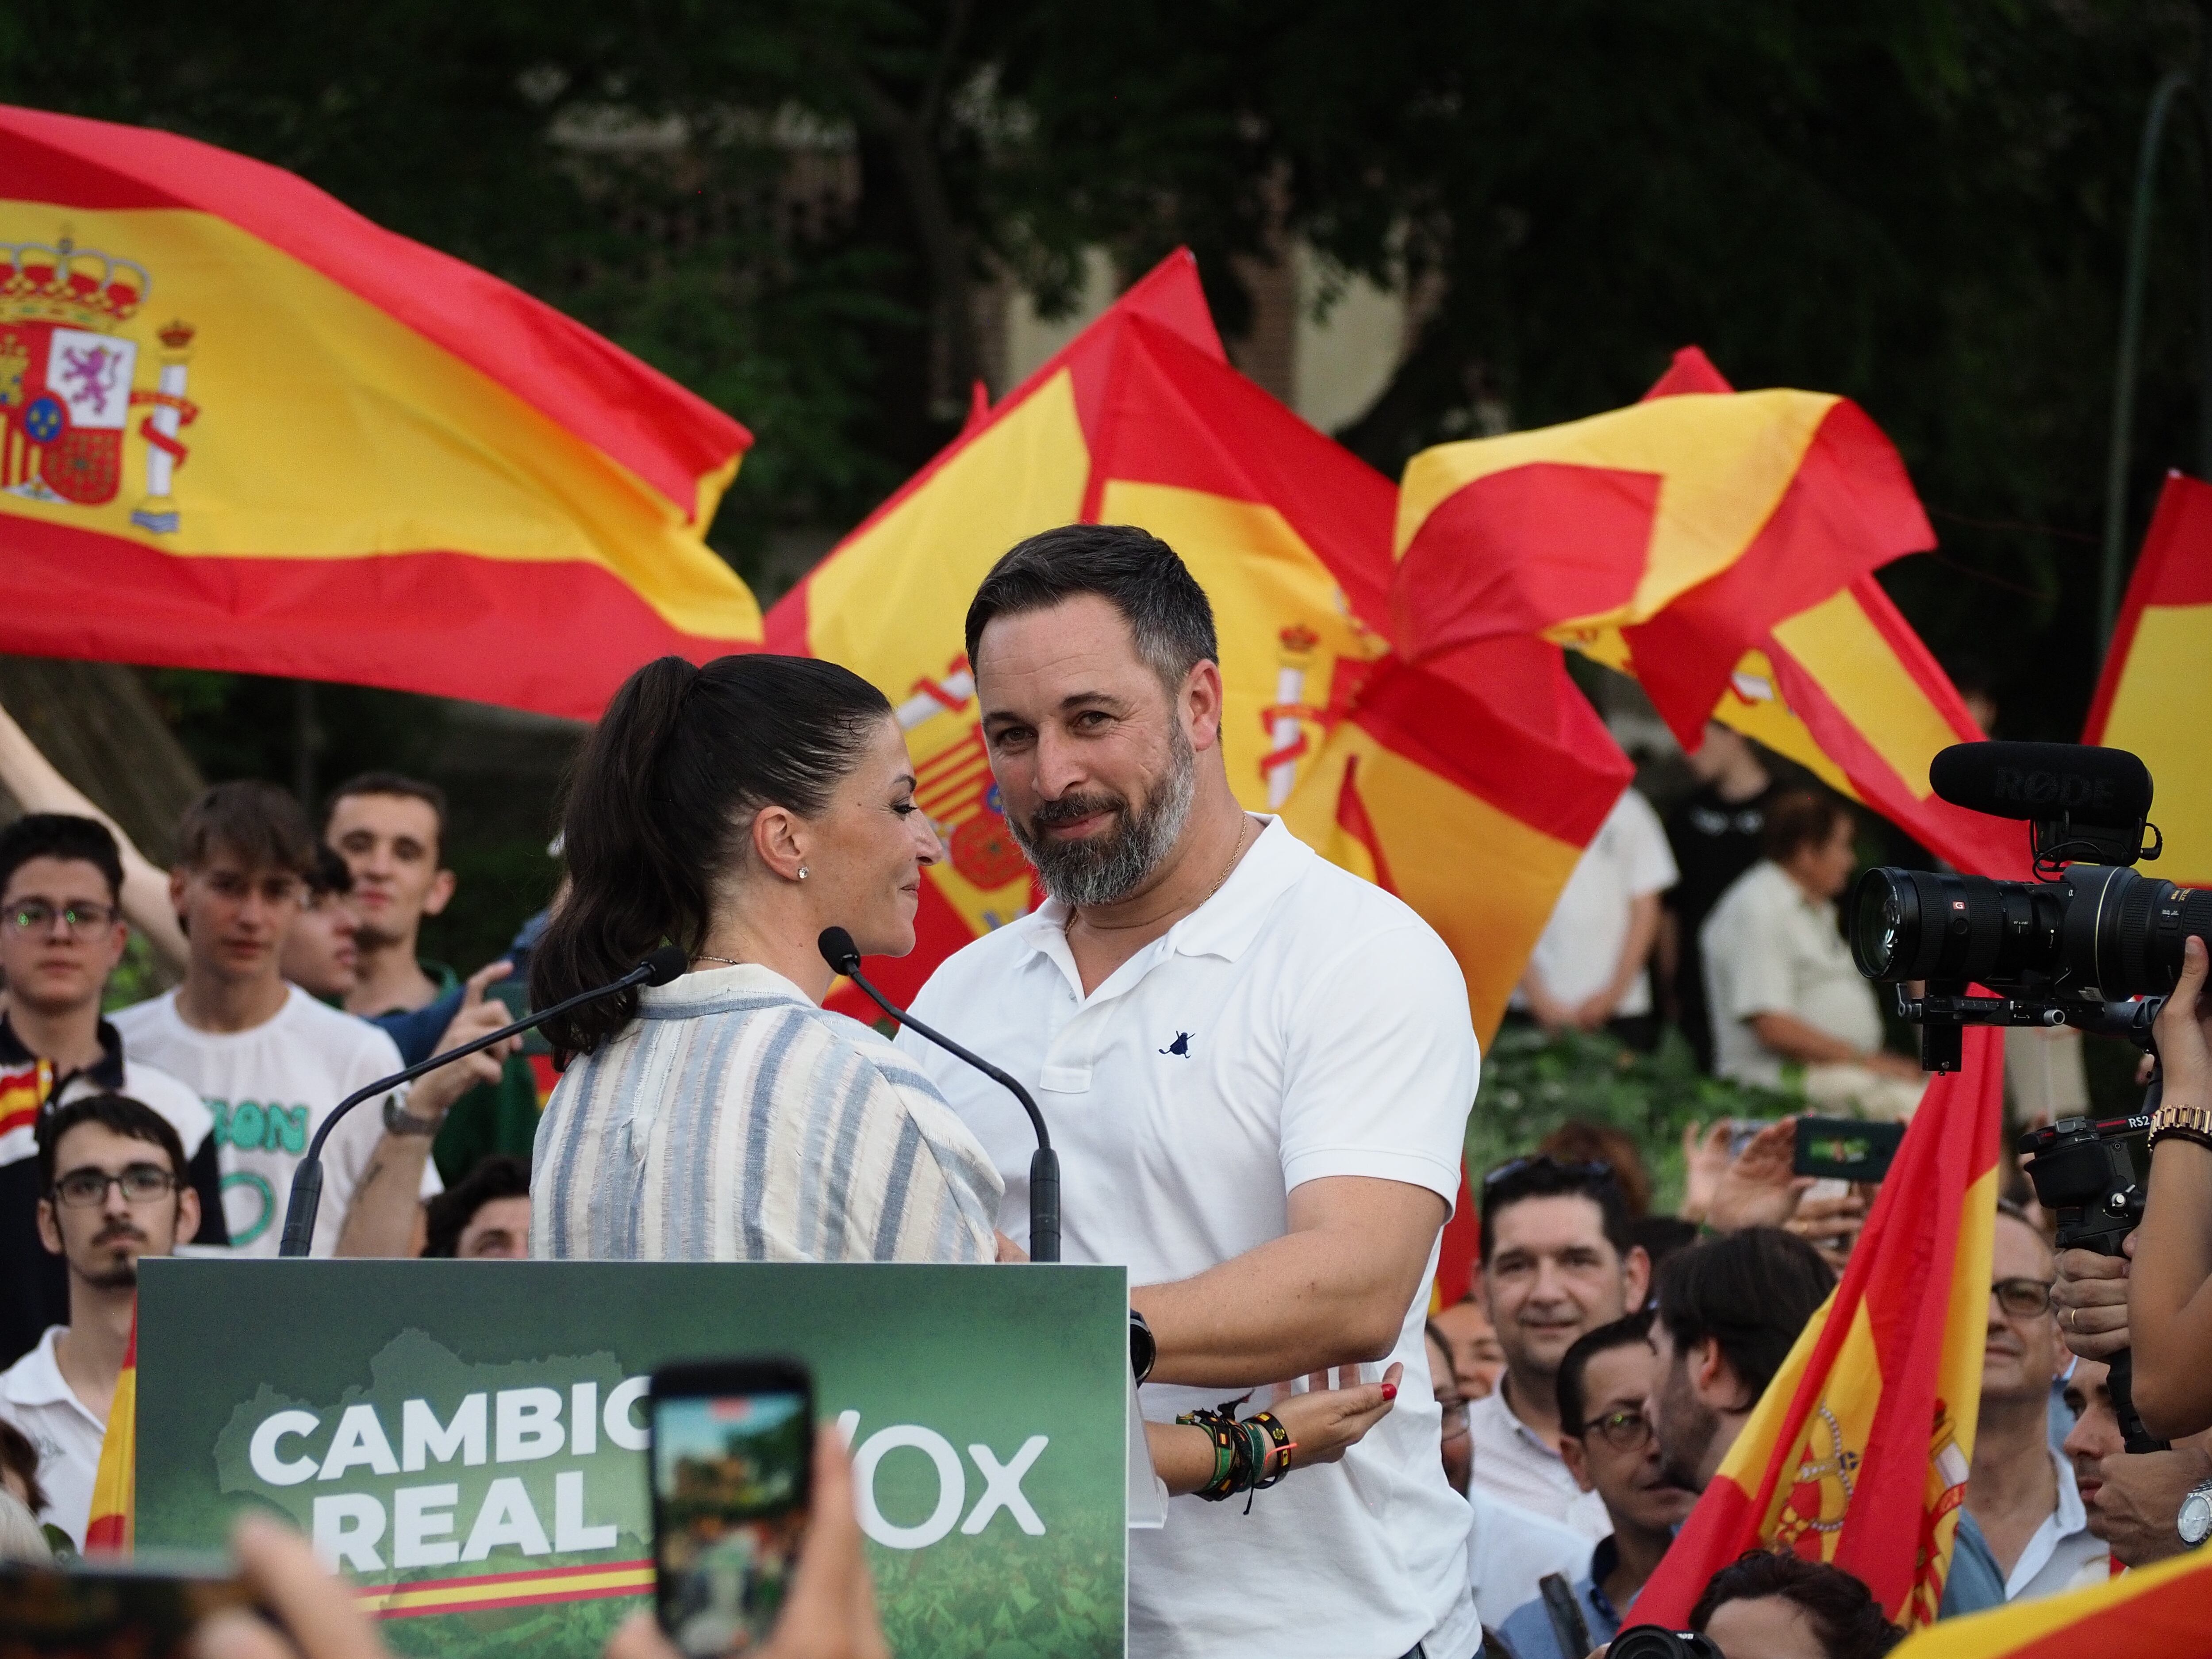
(666, 963)
(841, 953)
(2085, 804)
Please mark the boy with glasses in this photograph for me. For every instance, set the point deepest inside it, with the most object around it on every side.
(2024, 1532)
(1606, 1441)
(114, 1189)
(61, 937)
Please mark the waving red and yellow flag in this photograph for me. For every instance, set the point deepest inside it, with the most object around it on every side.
(109, 1529)
(1858, 1453)
(1688, 525)
(1735, 587)
(2156, 1610)
(243, 427)
(2154, 697)
(1484, 758)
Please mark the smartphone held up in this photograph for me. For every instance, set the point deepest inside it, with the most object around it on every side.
(732, 1463)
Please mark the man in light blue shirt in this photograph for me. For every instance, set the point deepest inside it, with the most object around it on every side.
(1606, 1441)
(2023, 1532)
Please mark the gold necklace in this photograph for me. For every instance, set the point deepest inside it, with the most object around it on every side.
(727, 962)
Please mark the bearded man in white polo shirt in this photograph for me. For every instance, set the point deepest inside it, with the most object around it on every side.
(1257, 1070)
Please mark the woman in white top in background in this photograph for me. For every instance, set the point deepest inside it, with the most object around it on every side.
(738, 810)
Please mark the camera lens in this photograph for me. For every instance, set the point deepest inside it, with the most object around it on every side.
(2123, 932)
(1885, 923)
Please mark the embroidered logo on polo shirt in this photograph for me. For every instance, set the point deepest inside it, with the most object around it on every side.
(1180, 1048)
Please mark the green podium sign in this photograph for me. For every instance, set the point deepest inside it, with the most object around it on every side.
(466, 1439)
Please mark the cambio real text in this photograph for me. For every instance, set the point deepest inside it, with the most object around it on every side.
(425, 1523)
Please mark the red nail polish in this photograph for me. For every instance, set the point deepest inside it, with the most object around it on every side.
(1389, 1390)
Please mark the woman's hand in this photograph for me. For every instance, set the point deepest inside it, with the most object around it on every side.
(1831, 1225)
(1325, 1423)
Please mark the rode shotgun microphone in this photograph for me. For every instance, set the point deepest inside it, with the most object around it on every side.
(668, 963)
(2085, 804)
(841, 953)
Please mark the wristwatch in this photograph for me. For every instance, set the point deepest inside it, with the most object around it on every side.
(398, 1120)
(2195, 1521)
(2180, 1122)
(1142, 1349)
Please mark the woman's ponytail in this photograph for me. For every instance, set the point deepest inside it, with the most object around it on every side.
(630, 886)
(660, 802)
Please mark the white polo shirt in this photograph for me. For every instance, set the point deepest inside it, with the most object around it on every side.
(38, 1400)
(1300, 1023)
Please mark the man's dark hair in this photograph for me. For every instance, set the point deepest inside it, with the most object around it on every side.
(1803, 818)
(258, 822)
(1133, 569)
(1751, 1291)
(1633, 1332)
(119, 1113)
(1845, 1618)
(61, 835)
(1661, 1236)
(1545, 1176)
(450, 1212)
(330, 875)
(20, 1459)
(389, 783)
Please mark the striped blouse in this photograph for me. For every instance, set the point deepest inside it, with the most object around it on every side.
(735, 1121)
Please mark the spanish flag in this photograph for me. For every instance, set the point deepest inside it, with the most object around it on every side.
(2152, 1611)
(1688, 525)
(2154, 697)
(1483, 758)
(115, 1486)
(23, 1091)
(243, 427)
(1858, 1453)
(1734, 571)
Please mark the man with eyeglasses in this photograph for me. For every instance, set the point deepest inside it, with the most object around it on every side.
(112, 1172)
(61, 937)
(1607, 1442)
(2023, 1533)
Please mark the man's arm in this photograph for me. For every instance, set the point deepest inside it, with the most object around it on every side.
(38, 787)
(1332, 1291)
(380, 1209)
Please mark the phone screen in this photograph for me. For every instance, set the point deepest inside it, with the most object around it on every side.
(1846, 1149)
(733, 1450)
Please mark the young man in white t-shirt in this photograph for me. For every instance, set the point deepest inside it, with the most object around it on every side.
(269, 1060)
(61, 936)
(1256, 1069)
(1589, 967)
(112, 1190)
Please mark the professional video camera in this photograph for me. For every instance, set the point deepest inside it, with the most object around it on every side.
(2087, 944)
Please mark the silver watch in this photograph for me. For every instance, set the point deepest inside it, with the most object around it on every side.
(2195, 1521)
(398, 1120)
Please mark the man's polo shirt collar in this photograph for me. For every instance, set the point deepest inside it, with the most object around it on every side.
(1224, 925)
(106, 1072)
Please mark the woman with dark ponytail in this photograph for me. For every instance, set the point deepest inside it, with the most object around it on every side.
(737, 810)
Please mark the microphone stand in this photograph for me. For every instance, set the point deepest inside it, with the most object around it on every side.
(307, 1196)
(837, 948)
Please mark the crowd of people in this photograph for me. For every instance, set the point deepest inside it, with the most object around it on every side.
(1257, 1069)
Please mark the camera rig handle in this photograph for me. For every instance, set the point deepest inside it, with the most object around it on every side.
(1943, 1012)
(2084, 1172)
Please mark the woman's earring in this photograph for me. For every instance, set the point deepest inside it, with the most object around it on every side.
(802, 873)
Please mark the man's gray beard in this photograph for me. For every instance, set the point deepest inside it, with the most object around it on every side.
(1106, 868)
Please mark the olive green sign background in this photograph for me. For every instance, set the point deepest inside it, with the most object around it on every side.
(458, 1428)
